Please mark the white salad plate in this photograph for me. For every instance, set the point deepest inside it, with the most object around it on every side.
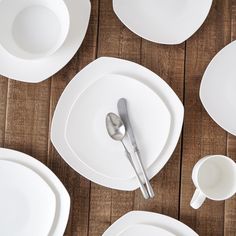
(78, 127)
(36, 56)
(142, 223)
(217, 90)
(166, 22)
(33, 201)
(27, 203)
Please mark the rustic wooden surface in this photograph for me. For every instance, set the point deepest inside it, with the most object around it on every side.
(26, 111)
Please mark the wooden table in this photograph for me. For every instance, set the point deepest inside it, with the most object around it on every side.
(26, 111)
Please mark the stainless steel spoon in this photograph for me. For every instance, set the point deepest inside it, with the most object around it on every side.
(116, 130)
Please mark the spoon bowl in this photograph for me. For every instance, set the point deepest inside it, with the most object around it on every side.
(115, 127)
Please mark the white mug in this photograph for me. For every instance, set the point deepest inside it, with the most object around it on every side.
(215, 178)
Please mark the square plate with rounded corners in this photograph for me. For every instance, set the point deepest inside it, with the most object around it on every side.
(35, 71)
(144, 229)
(61, 194)
(169, 224)
(218, 88)
(166, 22)
(77, 97)
(27, 197)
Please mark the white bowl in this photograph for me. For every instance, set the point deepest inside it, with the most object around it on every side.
(32, 29)
(34, 71)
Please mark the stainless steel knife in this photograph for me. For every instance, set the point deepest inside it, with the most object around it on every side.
(123, 112)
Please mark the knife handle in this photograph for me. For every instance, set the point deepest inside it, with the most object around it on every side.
(141, 184)
(148, 185)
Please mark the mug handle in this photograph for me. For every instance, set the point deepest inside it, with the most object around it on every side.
(197, 199)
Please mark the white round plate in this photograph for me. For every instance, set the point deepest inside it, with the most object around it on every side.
(38, 70)
(166, 225)
(143, 230)
(218, 88)
(166, 22)
(32, 195)
(78, 127)
(27, 203)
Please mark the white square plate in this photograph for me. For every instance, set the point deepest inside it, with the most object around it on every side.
(78, 126)
(155, 224)
(163, 21)
(58, 197)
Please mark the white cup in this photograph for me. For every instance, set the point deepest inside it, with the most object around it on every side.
(32, 29)
(215, 178)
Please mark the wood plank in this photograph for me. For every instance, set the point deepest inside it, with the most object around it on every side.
(27, 118)
(77, 186)
(114, 40)
(230, 205)
(201, 135)
(168, 63)
(3, 106)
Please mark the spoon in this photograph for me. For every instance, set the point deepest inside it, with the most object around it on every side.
(116, 130)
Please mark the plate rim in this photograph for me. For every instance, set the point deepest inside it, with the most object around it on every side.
(152, 226)
(61, 115)
(44, 68)
(134, 217)
(62, 196)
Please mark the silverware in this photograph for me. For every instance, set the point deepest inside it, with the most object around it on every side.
(116, 130)
(123, 112)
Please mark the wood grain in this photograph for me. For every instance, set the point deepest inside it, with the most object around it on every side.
(26, 127)
(167, 62)
(3, 107)
(26, 111)
(201, 135)
(230, 205)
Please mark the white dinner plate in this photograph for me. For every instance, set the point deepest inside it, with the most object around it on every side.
(218, 88)
(78, 127)
(32, 192)
(38, 70)
(167, 22)
(27, 203)
(143, 230)
(153, 222)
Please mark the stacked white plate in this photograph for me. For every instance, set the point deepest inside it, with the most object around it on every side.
(142, 223)
(78, 127)
(33, 201)
(167, 22)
